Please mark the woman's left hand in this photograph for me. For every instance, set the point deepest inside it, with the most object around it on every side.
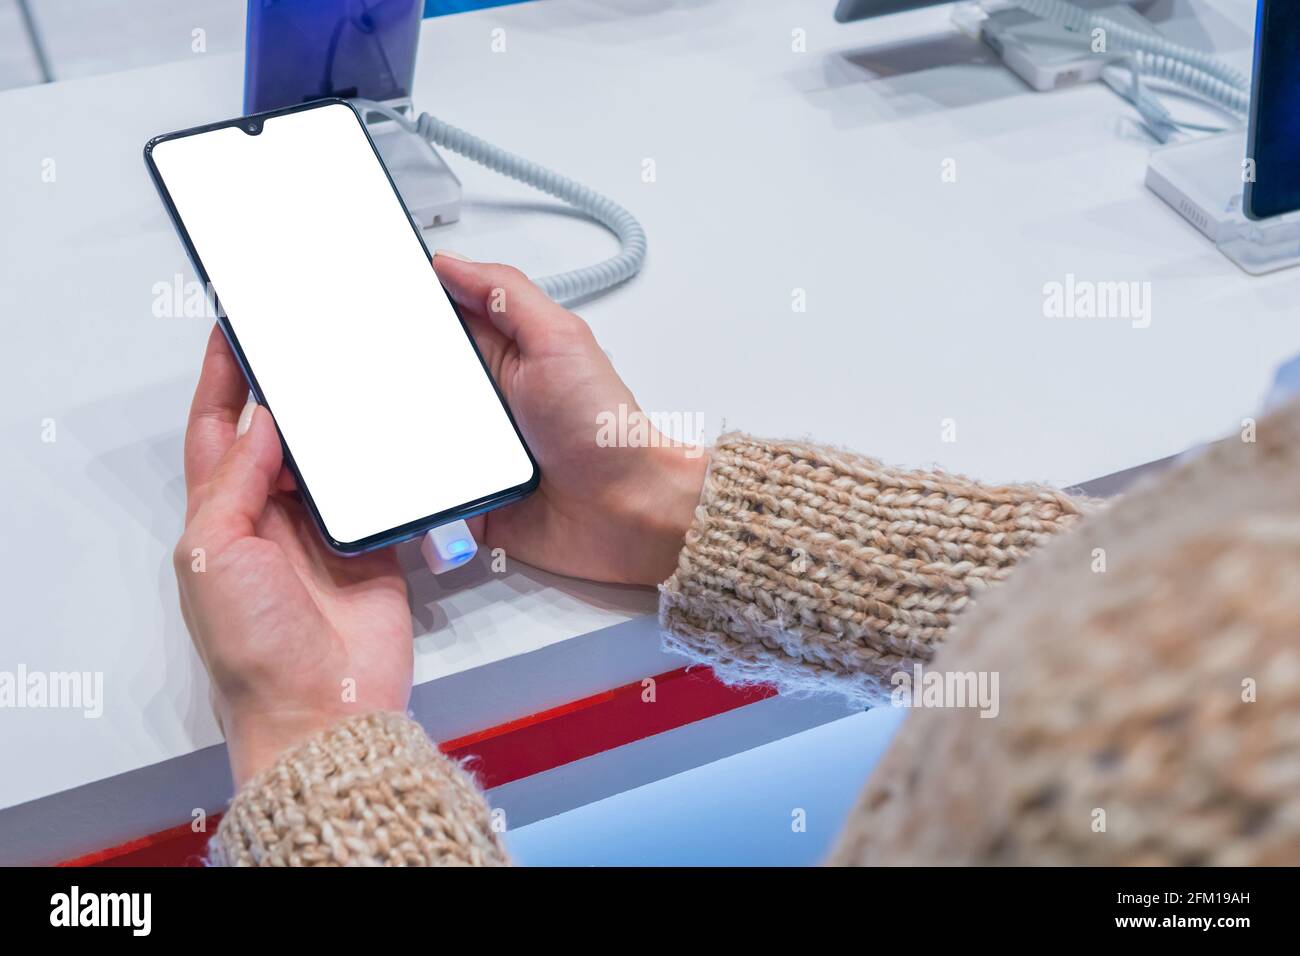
(294, 637)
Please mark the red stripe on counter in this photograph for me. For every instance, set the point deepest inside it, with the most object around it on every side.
(513, 750)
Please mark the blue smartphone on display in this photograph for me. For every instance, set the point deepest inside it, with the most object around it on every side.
(303, 50)
(389, 418)
(1273, 136)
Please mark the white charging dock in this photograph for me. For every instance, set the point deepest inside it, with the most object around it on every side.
(1203, 180)
(1044, 54)
(448, 546)
(426, 183)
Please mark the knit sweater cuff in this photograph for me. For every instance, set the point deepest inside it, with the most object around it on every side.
(815, 569)
(372, 790)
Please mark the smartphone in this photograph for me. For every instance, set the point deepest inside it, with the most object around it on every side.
(389, 418)
(300, 50)
(1273, 135)
(847, 11)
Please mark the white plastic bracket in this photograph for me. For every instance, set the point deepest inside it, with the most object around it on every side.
(1045, 54)
(448, 546)
(426, 183)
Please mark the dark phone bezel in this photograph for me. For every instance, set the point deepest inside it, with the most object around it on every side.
(410, 529)
(1252, 126)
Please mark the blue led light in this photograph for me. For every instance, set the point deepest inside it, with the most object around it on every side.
(459, 547)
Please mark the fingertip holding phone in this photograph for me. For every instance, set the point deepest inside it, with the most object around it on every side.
(448, 546)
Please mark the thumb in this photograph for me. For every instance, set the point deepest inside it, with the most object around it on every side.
(503, 295)
(236, 494)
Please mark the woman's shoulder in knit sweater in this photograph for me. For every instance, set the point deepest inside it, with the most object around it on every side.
(1149, 683)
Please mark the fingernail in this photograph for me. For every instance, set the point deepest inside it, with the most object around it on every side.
(452, 255)
(246, 417)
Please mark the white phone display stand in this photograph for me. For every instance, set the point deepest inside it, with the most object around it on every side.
(1203, 180)
(427, 185)
(448, 546)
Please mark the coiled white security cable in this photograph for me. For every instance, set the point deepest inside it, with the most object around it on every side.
(563, 287)
(1157, 117)
(1235, 99)
(1153, 56)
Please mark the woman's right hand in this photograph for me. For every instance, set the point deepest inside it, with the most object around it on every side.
(616, 514)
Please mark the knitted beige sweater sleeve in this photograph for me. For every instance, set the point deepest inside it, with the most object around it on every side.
(369, 791)
(813, 569)
(806, 566)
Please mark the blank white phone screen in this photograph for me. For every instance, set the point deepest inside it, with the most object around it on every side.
(373, 382)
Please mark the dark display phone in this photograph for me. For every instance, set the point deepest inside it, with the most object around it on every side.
(1273, 137)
